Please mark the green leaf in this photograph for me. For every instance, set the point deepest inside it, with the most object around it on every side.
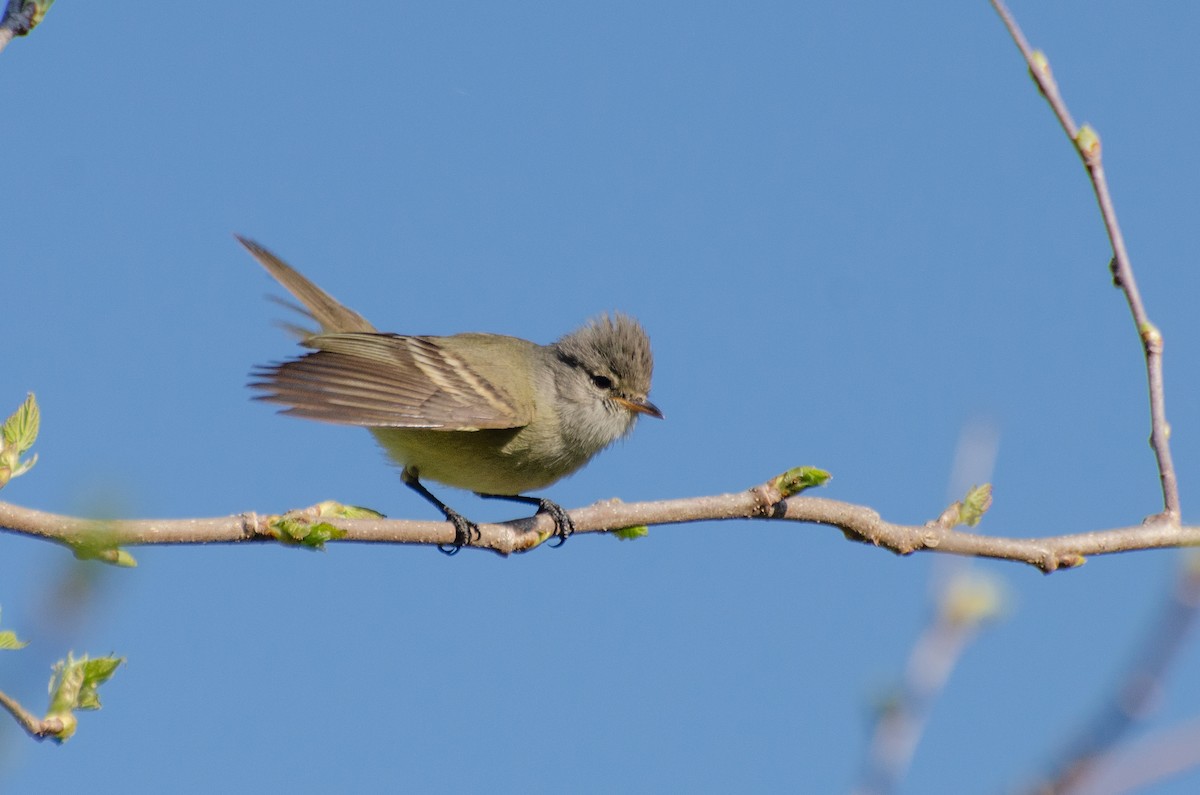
(21, 428)
(8, 640)
(301, 531)
(95, 673)
(24, 466)
(17, 435)
(632, 533)
(300, 528)
(339, 511)
(74, 685)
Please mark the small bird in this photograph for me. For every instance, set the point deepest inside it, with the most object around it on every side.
(494, 414)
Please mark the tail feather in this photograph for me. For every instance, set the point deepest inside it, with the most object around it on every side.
(332, 316)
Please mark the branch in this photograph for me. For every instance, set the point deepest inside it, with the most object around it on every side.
(964, 600)
(767, 501)
(967, 601)
(1139, 692)
(1145, 677)
(36, 727)
(1153, 759)
(1087, 144)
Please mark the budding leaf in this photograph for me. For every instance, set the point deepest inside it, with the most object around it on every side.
(339, 511)
(21, 428)
(632, 533)
(74, 685)
(1087, 141)
(17, 435)
(975, 505)
(1041, 62)
(97, 544)
(300, 528)
(798, 479)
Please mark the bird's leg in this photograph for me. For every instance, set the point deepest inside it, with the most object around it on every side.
(563, 526)
(465, 530)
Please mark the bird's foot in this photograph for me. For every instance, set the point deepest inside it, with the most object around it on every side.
(563, 526)
(465, 531)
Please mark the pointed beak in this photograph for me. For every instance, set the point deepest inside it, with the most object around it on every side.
(641, 406)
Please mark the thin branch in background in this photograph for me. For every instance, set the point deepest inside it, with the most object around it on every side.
(1152, 760)
(968, 602)
(963, 600)
(1087, 144)
(1139, 692)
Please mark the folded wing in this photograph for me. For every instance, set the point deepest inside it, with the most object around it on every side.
(388, 380)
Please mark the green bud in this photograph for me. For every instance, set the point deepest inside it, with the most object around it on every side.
(1087, 141)
(632, 533)
(798, 479)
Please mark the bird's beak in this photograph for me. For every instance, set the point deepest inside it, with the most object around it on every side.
(640, 406)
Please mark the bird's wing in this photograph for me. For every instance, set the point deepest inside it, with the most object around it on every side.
(389, 380)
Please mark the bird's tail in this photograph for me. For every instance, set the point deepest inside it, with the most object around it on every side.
(320, 305)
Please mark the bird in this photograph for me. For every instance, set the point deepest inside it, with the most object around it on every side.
(493, 414)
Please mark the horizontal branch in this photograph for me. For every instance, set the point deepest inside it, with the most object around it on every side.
(857, 522)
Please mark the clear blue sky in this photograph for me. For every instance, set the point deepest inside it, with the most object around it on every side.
(850, 231)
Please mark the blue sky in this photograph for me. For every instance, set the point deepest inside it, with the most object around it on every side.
(851, 232)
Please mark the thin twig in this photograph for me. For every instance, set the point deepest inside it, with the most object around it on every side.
(1130, 703)
(1087, 144)
(1038, 70)
(36, 727)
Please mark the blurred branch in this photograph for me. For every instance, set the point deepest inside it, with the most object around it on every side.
(964, 599)
(1139, 692)
(766, 501)
(20, 17)
(1150, 761)
(964, 605)
(1087, 145)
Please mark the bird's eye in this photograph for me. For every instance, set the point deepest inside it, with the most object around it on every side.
(602, 382)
